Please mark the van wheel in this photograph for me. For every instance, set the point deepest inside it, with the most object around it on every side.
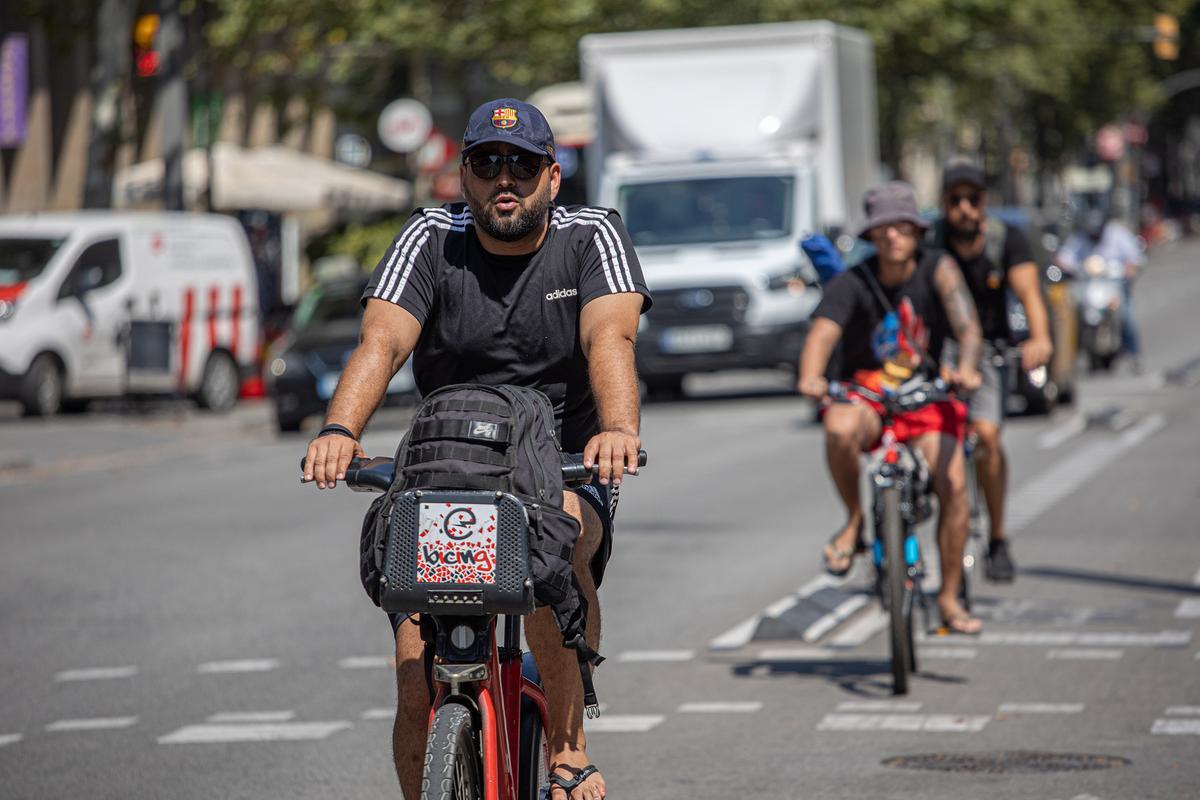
(42, 389)
(220, 385)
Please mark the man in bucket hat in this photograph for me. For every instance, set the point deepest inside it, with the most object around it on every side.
(891, 315)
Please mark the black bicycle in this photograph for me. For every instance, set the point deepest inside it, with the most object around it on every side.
(901, 500)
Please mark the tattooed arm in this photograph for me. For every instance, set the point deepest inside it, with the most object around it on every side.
(964, 323)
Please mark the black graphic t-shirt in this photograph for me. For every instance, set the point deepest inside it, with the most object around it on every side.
(509, 319)
(988, 281)
(876, 340)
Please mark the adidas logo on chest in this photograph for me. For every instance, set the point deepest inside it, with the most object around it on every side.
(559, 294)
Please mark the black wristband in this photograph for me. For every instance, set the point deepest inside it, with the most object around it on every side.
(332, 428)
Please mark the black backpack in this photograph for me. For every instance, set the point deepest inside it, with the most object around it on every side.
(493, 438)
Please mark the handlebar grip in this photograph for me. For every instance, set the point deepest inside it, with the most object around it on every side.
(573, 469)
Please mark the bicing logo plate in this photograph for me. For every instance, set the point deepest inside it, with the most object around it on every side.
(457, 543)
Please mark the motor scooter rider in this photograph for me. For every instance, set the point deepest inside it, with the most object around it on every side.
(1098, 235)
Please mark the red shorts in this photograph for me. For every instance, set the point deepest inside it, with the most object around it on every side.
(949, 417)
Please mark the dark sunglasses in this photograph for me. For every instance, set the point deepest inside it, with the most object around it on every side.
(523, 166)
(973, 198)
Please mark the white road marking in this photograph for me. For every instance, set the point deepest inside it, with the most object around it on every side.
(96, 673)
(366, 662)
(794, 654)
(10, 738)
(388, 714)
(1050, 487)
(831, 620)
(880, 705)
(243, 665)
(861, 630)
(933, 723)
(1083, 654)
(1188, 609)
(1183, 711)
(1196, 578)
(1040, 708)
(93, 724)
(950, 653)
(1166, 638)
(626, 723)
(264, 732)
(1063, 432)
(656, 656)
(719, 707)
(227, 717)
(1176, 727)
(740, 635)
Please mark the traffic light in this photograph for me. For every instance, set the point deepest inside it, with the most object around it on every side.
(1166, 37)
(145, 57)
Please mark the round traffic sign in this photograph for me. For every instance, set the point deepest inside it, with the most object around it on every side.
(404, 125)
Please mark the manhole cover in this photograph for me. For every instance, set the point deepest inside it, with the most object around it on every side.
(1013, 761)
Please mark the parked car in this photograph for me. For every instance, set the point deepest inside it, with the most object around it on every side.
(95, 304)
(304, 365)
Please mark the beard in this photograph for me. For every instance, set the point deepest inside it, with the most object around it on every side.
(528, 218)
(965, 233)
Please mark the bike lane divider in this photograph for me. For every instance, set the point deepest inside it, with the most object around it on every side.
(233, 717)
(95, 674)
(10, 738)
(1039, 708)
(721, 707)
(238, 666)
(1085, 654)
(1188, 609)
(254, 726)
(880, 705)
(92, 724)
(368, 662)
(811, 612)
(386, 714)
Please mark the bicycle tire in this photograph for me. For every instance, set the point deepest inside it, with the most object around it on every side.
(533, 774)
(453, 768)
(896, 575)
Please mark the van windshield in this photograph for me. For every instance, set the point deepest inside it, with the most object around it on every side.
(705, 210)
(23, 260)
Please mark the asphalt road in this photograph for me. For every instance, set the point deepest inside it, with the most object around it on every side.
(168, 591)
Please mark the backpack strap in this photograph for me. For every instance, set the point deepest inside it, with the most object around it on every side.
(469, 407)
(475, 430)
(443, 451)
(995, 233)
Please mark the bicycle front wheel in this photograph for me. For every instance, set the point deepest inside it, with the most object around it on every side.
(452, 765)
(895, 579)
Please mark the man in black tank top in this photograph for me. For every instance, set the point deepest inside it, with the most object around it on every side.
(508, 289)
(926, 301)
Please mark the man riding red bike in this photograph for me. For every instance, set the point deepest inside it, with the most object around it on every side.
(508, 288)
(891, 315)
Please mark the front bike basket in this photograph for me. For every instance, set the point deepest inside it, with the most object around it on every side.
(457, 552)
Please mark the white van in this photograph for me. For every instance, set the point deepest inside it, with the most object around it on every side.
(95, 304)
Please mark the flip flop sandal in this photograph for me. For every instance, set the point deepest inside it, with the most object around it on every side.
(957, 624)
(579, 775)
(839, 554)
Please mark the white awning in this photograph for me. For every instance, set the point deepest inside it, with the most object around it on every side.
(272, 178)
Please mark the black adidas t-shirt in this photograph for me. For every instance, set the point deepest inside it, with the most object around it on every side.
(988, 281)
(853, 305)
(509, 319)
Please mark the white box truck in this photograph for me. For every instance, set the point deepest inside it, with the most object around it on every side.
(95, 304)
(722, 148)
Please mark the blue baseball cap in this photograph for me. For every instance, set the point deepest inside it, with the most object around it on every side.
(511, 121)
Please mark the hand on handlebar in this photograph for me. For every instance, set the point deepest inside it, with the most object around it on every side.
(615, 452)
(1035, 353)
(816, 388)
(966, 379)
(328, 457)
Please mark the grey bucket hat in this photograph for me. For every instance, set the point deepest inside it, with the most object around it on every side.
(894, 201)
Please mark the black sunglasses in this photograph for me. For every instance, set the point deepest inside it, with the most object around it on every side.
(523, 166)
(971, 197)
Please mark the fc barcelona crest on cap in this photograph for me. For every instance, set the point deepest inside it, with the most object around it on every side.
(504, 117)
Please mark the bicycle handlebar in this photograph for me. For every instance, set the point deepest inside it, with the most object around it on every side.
(907, 399)
(377, 474)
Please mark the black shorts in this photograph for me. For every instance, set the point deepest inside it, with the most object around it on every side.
(603, 500)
